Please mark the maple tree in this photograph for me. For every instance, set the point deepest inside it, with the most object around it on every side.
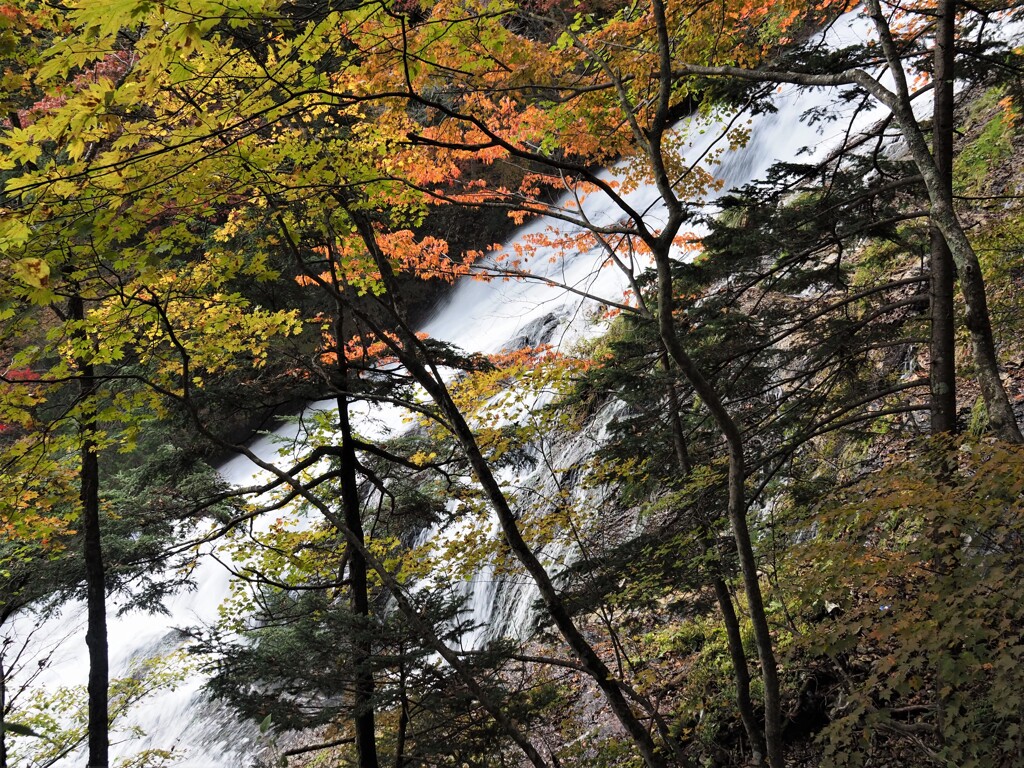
(185, 42)
(181, 154)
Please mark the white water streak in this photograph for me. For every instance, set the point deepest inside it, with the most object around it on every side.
(478, 317)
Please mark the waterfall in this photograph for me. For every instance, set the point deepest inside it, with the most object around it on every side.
(477, 316)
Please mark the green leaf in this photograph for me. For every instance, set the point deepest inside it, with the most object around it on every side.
(13, 233)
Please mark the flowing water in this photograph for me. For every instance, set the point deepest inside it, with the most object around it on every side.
(477, 316)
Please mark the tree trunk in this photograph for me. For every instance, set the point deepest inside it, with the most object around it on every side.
(942, 375)
(3, 714)
(942, 371)
(675, 424)
(944, 217)
(362, 645)
(556, 609)
(560, 616)
(95, 576)
(403, 712)
(736, 505)
(741, 675)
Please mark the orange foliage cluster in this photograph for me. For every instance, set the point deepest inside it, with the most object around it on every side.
(529, 358)
(689, 242)
(524, 356)
(428, 258)
(366, 350)
(584, 95)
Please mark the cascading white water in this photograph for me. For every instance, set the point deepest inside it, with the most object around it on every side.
(477, 317)
(486, 316)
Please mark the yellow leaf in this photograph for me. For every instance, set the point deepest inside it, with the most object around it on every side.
(33, 272)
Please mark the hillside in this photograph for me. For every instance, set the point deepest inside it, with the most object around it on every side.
(716, 460)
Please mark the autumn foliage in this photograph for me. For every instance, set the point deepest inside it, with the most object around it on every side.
(211, 211)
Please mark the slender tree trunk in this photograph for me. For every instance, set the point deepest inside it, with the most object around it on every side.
(96, 599)
(943, 278)
(737, 509)
(741, 675)
(942, 372)
(675, 424)
(666, 325)
(979, 324)
(553, 603)
(556, 609)
(362, 644)
(942, 376)
(945, 219)
(420, 624)
(403, 712)
(3, 714)
(95, 575)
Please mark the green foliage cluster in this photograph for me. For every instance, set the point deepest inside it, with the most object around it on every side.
(54, 723)
(920, 569)
(214, 210)
(990, 127)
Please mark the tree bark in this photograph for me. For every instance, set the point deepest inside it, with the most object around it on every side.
(741, 675)
(737, 509)
(556, 609)
(95, 574)
(364, 687)
(560, 616)
(3, 713)
(942, 370)
(403, 712)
